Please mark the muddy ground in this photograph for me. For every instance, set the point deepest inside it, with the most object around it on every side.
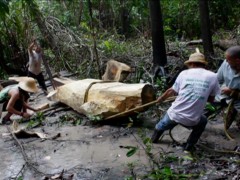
(87, 150)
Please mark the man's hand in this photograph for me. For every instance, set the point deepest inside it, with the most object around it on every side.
(34, 40)
(230, 92)
(226, 90)
(159, 100)
(26, 115)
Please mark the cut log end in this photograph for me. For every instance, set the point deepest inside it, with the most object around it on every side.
(148, 94)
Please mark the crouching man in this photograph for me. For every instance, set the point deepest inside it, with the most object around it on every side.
(14, 99)
(193, 87)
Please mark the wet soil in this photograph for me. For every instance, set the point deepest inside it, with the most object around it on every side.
(89, 150)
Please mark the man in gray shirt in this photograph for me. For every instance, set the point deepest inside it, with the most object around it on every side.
(229, 77)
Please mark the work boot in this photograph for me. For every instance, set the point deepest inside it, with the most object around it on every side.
(156, 135)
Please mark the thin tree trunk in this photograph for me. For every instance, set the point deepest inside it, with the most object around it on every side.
(94, 39)
(205, 28)
(158, 42)
(80, 12)
(124, 14)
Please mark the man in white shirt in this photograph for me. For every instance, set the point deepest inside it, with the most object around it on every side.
(194, 87)
(34, 64)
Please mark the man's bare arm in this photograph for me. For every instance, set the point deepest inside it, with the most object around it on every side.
(31, 46)
(14, 96)
(168, 93)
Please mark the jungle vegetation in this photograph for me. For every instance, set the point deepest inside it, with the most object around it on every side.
(80, 36)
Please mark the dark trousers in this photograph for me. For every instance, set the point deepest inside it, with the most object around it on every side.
(166, 123)
(39, 78)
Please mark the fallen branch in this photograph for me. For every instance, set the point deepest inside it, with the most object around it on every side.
(54, 110)
(21, 170)
(25, 157)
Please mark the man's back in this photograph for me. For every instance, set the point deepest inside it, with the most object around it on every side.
(35, 61)
(193, 86)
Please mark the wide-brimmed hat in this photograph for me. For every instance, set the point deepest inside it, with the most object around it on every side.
(196, 57)
(28, 84)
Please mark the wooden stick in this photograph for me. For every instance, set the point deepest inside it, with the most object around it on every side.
(48, 72)
(139, 107)
(25, 157)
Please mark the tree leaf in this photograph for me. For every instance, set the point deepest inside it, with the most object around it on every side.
(132, 151)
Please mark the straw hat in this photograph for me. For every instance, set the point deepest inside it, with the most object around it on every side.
(196, 57)
(29, 85)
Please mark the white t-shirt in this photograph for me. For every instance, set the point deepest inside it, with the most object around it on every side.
(35, 61)
(193, 86)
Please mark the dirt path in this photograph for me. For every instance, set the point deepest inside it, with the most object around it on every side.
(89, 151)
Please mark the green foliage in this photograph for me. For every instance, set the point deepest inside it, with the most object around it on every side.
(181, 18)
(111, 46)
(20, 178)
(4, 9)
(161, 84)
(95, 118)
(132, 150)
(139, 72)
(163, 170)
(131, 168)
(166, 173)
(210, 107)
(36, 121)
(224, 11)
(146, 141)
(75, 120)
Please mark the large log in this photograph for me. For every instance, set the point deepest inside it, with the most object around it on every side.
(94, 97)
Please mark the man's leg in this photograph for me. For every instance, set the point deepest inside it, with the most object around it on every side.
(164, 124)
(18, 106)
(196, 133)
(41, 82)
(31, 75)
(6, 118)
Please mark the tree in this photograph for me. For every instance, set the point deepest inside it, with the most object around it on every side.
(205, 28)
(158, 42)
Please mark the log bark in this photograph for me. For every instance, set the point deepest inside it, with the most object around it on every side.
(94, 97)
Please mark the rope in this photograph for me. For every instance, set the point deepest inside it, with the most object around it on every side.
(90, 85)
(227, 119)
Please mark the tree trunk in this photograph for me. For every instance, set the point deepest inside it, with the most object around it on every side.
(37, 15)
(205, 28)
(94, 97)
(158, 42)
(94, 39)
(124, 14)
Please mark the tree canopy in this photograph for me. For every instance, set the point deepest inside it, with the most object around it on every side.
(77, 35)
